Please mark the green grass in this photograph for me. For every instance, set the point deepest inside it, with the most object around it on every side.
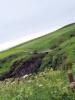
(58, 39)
(42, 43)
(47, 85)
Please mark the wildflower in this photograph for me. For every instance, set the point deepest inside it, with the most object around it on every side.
(40, 85)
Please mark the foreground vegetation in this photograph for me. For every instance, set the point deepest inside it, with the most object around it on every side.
(47, 85)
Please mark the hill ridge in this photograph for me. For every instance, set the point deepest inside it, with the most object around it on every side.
(61, 42)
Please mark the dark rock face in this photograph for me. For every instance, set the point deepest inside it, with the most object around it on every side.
(28, 67)
(21, 68)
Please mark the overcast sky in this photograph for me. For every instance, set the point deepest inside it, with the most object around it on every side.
(22, 20)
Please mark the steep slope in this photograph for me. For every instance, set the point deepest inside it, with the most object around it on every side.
(60, 46)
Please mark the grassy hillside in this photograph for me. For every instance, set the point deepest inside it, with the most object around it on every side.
(48, 53)
(61, 42)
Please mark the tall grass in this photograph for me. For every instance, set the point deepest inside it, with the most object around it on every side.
(47, 85)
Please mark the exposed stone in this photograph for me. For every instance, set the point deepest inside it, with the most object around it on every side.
(22, 68)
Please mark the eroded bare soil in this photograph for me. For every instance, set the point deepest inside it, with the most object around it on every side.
(21, 68)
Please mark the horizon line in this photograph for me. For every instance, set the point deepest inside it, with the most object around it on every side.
(13, 43)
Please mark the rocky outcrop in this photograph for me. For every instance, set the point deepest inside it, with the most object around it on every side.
(21, 68)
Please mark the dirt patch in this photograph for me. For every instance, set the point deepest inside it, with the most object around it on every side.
(21, 68)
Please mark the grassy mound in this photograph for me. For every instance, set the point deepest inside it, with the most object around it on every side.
(61, 43)
(59, 47)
